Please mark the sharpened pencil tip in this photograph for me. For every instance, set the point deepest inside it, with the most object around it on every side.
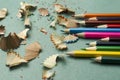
(69, 53)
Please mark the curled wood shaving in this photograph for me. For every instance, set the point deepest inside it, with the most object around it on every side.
(32, 51)
(50, 62)
(23, 34)
(2, 30)
(70, 39)
(68, 23)
(43, 11)
(58, 41)
(61, 9)
(14, 59)
(3, 13)
(25, 9)
(48, 75)
(43, 30)
(12, 41)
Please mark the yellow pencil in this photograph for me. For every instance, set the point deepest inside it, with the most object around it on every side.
(82, 53)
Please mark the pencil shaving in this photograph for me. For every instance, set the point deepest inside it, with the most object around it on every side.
(12, 41)
(23, 34)
(43, 11)
(48, 75)
(53, 23)
(2, 30)
(58, 42)
(68, 23)
(43, 30)
(14, 59)
(61, 9)
(32, 51)
(23, 42)
(50, 62)
(25, 9)
(3, 13)
(27, 22)
(70, 39)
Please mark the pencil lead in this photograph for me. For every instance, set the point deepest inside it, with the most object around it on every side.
(69, 53)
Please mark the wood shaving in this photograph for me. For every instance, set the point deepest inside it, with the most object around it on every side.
(12, 41)
(14, 59)
(32, 51)
(70, 39)
(23, 42)
(23, 34)
(61, 9)
(48, 75)
(43, 31)
(2, 30)
(3, 13)
(68, 23)
(43, 11)
(27, 22)
(25, 9)
(50, 62)
(58, 41)
(53, 23)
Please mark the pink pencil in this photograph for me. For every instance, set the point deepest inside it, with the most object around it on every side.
(98, 35)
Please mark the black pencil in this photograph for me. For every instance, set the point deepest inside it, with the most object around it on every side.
(104, 18)
(107, 39)
(107, 60)
(103, 43)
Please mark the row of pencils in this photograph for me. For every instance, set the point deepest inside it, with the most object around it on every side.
(106, 28)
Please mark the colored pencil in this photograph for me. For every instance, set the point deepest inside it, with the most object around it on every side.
(103, 48)
(102, 43)
(78, 30)
(104, 18)
(109, 26)
(107, 60)
(111, 39)
(87, 15)
(82, 53)
(98, 35)
(96, 23)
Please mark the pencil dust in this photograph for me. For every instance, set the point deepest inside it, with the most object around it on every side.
(48, 75)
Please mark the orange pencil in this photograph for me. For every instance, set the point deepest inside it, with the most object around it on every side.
(87, 15)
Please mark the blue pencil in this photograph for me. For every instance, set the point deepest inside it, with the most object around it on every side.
(79, 30)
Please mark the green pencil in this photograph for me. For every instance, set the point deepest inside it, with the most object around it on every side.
(107, 60)
(103, 48)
